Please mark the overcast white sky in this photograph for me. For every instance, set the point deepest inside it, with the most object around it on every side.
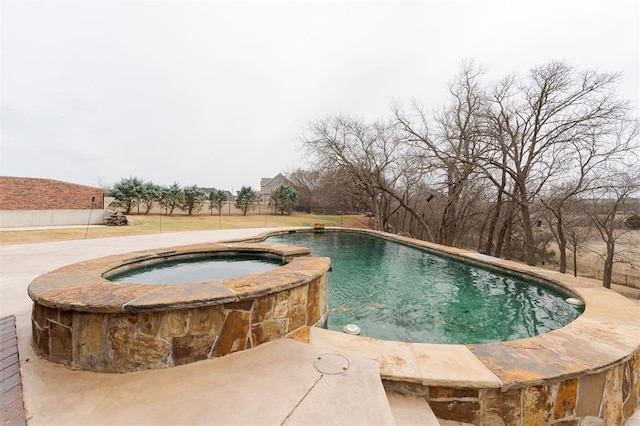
(218, 93)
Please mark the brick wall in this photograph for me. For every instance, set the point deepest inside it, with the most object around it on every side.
(18, 193)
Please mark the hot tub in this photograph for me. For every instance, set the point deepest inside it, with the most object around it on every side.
(84, 321)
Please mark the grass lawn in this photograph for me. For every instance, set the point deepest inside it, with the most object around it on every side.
(154, 224)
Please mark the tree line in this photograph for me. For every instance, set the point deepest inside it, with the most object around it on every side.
(505, 167)
(132, 192)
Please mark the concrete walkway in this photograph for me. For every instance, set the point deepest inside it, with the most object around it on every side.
(283, 382)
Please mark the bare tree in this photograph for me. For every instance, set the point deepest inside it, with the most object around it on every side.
(607, 201)
(344, 143)
(451, 145)
(533, 123)
(306, 183)
(373, 156)
(612, 141)
(498, 210)
(577, 236)
(482, 171)
(327, 191)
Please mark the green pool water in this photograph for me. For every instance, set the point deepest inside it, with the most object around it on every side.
(396, 292)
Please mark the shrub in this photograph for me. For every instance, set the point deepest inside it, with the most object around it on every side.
(632, 222)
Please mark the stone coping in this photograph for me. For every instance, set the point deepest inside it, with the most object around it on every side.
(82, 287)
(605, 335)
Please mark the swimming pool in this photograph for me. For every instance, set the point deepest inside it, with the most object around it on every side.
(393, 291)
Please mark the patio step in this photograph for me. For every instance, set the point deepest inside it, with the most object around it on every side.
(348, 392)
(411, 410)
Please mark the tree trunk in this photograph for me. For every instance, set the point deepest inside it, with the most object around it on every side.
(404, 219)
(562, 248)
(413, 213)
(562, 242)
(575, 261)
(378, 215)
(529, 247)
(447, 228)
(496, 213)
(507, 241)
(411, 225)
(503, 230)
(483, 227)
(488, 248)
(608, 264)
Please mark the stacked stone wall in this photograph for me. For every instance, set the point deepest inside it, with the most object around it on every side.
(607, 397)
(118, 343)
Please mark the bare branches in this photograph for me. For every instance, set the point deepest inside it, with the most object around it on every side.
(606, 203)
(374, 156)
(451, 145)
(491, 161)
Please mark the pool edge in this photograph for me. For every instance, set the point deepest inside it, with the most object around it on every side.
(601, 346)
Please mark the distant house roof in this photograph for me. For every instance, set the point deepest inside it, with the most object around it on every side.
(264, 182)
(207, 190)
(268, 185)
(274, 182)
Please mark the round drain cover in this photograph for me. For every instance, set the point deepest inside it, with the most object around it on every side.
(331, 363)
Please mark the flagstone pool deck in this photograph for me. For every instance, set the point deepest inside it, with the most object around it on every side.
(328, 377)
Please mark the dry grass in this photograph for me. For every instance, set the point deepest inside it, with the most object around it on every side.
(627, 254)
(626, 270)
(154, 224)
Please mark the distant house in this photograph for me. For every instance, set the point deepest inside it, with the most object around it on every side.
(230, 196)
(268, 185)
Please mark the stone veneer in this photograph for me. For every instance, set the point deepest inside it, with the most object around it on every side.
(86, 322)
(610, 396)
